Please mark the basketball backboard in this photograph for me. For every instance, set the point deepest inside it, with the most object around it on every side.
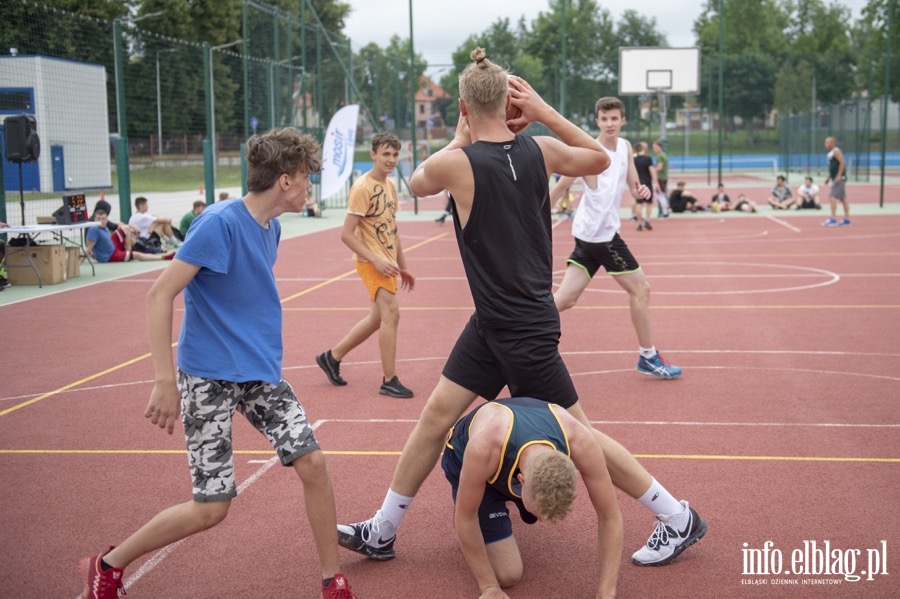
(645, 70)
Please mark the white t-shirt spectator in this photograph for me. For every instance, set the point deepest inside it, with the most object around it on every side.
(142, 221)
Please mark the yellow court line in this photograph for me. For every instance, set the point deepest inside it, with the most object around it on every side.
(72, 385)
(351, 272)
(741, 458)
(625, 307)
(147, 355)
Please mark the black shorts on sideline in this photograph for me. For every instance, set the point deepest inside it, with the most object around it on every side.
(525, 359)
(613, 255)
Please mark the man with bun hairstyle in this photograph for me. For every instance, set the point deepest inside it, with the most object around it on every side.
(498, 183)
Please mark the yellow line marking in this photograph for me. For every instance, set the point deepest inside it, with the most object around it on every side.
(72, 385)
(362, 453)
(147, 355)
(624, 307)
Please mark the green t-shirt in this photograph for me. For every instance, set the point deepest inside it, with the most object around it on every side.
(662, 166)
(186, 221)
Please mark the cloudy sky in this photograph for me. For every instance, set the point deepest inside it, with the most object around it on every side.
(440, 26)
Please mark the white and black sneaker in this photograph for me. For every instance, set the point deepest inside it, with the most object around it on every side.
(366, 538)
(673, 535)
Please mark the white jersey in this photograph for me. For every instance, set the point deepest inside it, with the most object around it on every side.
(597, 216)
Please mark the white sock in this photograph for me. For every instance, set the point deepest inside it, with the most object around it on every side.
(659, 501)
(648, 353)
(394, 508)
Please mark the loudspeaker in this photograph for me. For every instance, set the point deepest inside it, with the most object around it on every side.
(22, 142)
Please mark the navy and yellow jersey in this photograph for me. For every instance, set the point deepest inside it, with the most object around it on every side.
(532, 422)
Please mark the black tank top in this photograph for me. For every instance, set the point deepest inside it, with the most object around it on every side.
(506, 247)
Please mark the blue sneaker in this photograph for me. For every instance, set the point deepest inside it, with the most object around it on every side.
(658, 367)
(844, 223)
(831, 222)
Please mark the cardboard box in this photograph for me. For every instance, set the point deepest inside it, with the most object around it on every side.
(73, 262)
(50, 261)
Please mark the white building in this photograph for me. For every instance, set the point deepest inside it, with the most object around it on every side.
(69, 103)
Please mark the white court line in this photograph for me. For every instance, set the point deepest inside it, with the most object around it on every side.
(163, 553)
(611, 352)
(782, 223)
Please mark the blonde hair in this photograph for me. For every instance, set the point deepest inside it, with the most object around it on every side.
(483, 85)
(280, 152)
(552, 481)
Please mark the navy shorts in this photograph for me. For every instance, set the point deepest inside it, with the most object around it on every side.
(493, 513)
(613, 255)
(525, 359)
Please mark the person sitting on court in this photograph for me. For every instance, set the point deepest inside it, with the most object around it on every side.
(808, 194)
(744, 204)
(107, 208)
(116, 246)
(147, 224)
(720, 200)
(528, 452)
(781, 197)
(681, 200)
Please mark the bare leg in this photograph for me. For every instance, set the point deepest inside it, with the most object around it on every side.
(639, 304)
(318, 497)
(447, 403)
(389, 308)
(625, 471)
(359, 333)
(506, 561)
(574, 282)
(170, 525)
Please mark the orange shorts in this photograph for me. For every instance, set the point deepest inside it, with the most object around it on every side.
(374, 280)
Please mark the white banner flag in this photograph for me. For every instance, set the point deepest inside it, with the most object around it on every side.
(337, 154)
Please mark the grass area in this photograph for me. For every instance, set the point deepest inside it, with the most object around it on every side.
(179, 178)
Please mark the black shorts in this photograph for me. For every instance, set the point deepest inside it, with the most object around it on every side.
(526, 359)
(493, 513)
(613, 255)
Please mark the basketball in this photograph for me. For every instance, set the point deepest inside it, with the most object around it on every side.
(514, 113)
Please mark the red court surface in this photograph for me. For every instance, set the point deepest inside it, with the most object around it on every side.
(784, 432)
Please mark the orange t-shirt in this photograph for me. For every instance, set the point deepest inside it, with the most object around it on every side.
(376, 202)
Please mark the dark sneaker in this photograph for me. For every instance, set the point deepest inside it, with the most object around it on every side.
(669, 540)
(365, 538)
(640, 227)
(658, 367)
(338, 589)
(440, 220)
(647, 225)
(331, 367)
(394, 388)
(100, 583)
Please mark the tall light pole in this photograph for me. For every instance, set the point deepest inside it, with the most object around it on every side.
(122, 167)
(212, 100)
(158, 102)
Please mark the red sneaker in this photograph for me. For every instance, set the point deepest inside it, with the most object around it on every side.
(338, 589)
(100, 583)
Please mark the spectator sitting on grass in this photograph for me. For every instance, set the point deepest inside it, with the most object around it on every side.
(187, 219)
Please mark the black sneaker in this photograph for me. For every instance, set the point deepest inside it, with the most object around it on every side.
(365, 538)
(331, 367)
(4, 283)
(394, 388)
(667, 541)
(647, 225)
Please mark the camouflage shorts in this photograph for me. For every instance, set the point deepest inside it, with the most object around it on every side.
(207, 410)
